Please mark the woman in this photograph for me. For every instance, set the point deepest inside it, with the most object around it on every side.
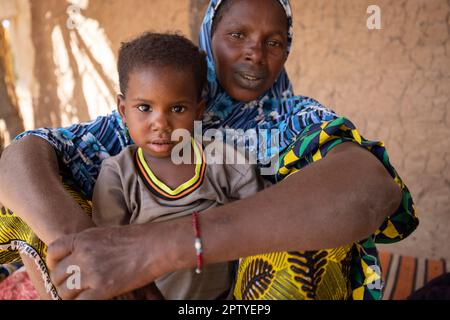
(325, 204)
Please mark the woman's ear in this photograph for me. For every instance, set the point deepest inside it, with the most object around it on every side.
(200, 110)
(121, 106)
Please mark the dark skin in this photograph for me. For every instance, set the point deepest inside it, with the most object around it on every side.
(356, 206)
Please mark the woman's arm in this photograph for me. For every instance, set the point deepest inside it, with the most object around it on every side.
(338, 200)
(31, 187)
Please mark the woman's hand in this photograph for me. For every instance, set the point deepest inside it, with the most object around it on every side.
(101, 263)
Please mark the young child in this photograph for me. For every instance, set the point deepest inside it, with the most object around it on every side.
(162, 77)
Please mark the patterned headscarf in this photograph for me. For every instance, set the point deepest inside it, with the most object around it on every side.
(222, 110)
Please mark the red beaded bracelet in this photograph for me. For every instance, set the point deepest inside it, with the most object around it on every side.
(198, 242)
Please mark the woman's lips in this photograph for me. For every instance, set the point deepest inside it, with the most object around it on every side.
(250, 80)
(249, 77)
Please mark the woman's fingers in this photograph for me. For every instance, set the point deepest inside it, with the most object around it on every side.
(65, 274)
(92, 294)
(61, 272)
(68, 279)
(59, 249)
(66, 293)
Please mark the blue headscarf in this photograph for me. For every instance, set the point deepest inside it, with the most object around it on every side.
(277, 108)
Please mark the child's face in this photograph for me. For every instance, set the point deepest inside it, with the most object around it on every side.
(158, 101)
(250, 47)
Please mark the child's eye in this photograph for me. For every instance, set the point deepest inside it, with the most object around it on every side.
(144, 108)
(237, 35)
(178, 109)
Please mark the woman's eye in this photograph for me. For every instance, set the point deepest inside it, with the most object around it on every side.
(144, 108)
(178, 109)
(274, 43)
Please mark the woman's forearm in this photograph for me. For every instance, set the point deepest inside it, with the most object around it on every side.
(31, 187)
(338, 200)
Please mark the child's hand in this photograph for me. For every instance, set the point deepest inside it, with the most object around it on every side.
(149, 292)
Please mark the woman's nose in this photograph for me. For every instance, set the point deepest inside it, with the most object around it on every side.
(255, 52)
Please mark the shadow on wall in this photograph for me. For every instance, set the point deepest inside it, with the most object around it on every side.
(76, 53)
(197, 9)
(72, 76)
(11, 122)
(2, 143)
(74, 57)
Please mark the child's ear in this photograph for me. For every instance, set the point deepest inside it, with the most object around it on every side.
(200, 110)
(121, 106)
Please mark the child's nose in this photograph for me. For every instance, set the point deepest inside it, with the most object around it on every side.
(159, 122)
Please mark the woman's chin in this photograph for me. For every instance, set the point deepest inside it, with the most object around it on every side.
(245, 95)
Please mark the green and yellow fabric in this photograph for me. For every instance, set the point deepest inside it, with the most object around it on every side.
(16, 238)
(350, 272)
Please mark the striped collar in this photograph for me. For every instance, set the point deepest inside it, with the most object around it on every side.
(159, 188)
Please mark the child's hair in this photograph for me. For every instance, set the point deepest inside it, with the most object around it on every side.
(161, 50)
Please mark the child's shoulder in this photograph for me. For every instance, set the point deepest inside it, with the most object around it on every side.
(123, 159)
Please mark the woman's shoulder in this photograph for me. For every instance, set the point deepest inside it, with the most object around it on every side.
(300, 102)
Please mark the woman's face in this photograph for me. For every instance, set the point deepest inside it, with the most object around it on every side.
(250, 47)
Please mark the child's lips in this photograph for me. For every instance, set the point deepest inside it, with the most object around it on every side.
(161, 146)
(162, 141)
